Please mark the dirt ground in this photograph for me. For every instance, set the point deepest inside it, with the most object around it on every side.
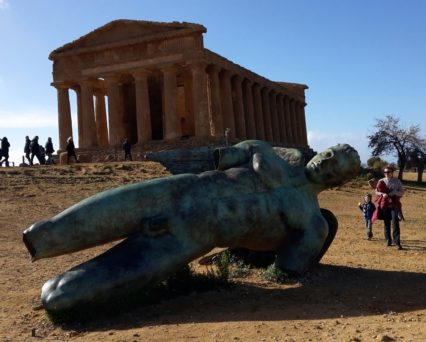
(361, 291)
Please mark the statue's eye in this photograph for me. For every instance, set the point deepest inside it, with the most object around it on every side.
(328, 154)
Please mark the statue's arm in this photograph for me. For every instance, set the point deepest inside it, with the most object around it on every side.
(240, 154)
(304, 245)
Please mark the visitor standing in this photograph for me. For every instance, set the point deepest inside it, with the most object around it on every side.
(368, 208)
(4, 152)
(27, 149)
(127, 147)
(49, 151)
(35, 150)
(70, 150)
(389, 191)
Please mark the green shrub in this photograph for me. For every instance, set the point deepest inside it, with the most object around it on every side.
(274, 274)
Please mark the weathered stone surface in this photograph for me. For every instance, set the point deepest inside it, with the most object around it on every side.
(156, 81)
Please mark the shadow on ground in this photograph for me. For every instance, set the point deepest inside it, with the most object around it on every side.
(324, 293)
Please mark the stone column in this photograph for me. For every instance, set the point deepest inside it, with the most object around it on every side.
(274, 117)
(227, 107)
(267, 115)
(304, 128)
(200, 104)
(216, 104)
(171, 121)
(240, 124)
(249, 109)
(143, 108)
(282, 119)
(100, 118)
(64, 116)
(295, 128)
(89, 124)
(301, 123)
(289, 120)
(115, 112)
(258, 112)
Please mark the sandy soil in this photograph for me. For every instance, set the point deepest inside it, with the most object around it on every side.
(361, 291)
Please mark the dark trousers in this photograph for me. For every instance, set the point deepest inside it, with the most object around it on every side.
(32, 158)
(127, 156)
(391, 220)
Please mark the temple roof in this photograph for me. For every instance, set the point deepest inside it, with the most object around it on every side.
(123, 31)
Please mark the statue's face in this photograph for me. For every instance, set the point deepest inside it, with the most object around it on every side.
(333, 166)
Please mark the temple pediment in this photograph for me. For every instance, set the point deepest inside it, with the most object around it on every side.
(122, 31)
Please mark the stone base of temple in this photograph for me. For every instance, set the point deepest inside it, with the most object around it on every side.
(191, 154)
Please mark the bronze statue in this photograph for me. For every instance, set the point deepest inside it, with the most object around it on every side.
(257, 198)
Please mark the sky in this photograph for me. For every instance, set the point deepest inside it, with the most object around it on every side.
(361, 59)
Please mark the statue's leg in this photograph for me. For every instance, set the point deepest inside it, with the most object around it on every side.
(132, 265)
(303, 246)
(108, 216)
(333, 224)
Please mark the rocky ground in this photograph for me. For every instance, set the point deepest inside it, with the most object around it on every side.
(361, 291)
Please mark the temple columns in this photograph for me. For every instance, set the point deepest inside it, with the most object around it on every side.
(115, 112)
(249, 109)
(227, 107)
(216, 105)
(64, 116)
(143, 111)
(282, 118)
(171, 122)
(274, 117)
(100, 118)
(200, 104)
(267, 114)
(258, 112)
(240, 124)
(89, 124)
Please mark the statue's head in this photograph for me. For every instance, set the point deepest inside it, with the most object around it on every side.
(334, 166)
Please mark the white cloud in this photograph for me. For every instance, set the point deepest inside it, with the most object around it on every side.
(28, 118)
(4, 4)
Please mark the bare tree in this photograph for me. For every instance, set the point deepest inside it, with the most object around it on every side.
(390, 138)
(417, 158)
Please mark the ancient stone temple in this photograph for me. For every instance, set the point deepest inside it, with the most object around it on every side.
(146, 81)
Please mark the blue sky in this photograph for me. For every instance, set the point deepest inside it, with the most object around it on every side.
(362, 60)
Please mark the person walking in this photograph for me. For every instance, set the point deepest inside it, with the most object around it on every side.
(49, 151)
(27, 149)
(35, 150)
(4, 152)
(389, 191)
(70, 150)
(127, 147)
(368, 208)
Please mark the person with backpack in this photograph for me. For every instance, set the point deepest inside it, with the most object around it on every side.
(35, 150)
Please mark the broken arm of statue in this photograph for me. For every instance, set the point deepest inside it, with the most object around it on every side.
(256, 199)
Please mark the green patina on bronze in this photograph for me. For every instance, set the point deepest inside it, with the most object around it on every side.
(258, 198)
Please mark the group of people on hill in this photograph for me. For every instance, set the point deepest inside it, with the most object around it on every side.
(44, 154)
(33, 149)
(388, 191)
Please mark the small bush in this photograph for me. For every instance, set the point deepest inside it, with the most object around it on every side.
(223, 263)
(239, 269)
(274, 274)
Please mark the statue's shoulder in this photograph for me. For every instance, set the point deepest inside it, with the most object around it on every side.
(292, 156)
